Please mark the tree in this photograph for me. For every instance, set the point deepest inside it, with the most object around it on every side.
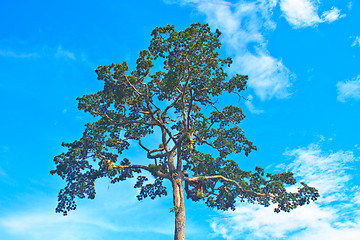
(173, 92)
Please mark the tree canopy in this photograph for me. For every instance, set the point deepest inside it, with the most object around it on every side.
(173, 93)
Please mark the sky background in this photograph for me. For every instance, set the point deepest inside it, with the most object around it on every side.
(303, 62)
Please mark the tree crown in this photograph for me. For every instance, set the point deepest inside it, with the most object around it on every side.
(173, 92)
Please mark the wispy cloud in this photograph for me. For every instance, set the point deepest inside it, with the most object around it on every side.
(356, 41)
(44, 51)
(45, 225)
(64, 54)
(268, 76)
(332, 15)
(242, 24)
(93, 219)
(349, 89)
(251, 106)
(350, 4)
(304, 13)
(40, 225)
(9, 53)
(326, 171)
(300, 13)
(325, 219)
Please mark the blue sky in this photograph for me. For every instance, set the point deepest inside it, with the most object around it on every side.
(303, 62)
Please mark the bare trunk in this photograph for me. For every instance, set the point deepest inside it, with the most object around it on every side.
(179, 209)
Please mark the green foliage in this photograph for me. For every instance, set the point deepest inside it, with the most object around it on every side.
(173, 89)
(151, 190)
(175, 209)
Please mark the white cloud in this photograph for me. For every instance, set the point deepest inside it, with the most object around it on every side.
(350, 4)
(242, 25)
(114, 211)
(267, 75)
(300, 13)
(9, 53)
(326, 171)
(41, 225)
(356, 41)
(328, 218)
(304, 13)
(331, 15)
(348, 90)
(46, 225)
(251, 107)
(64, 54)
(59, 53)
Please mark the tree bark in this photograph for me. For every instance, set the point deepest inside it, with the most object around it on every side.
(179, 209)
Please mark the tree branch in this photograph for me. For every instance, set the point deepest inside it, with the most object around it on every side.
(149, 152)
(151, 170)
(224, 179)
(204, 141)
(224, 115)
(190, 107)
(108, 162)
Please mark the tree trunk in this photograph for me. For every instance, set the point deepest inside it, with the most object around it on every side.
(179, 209)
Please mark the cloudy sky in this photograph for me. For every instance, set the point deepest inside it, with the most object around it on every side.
(303, 62)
